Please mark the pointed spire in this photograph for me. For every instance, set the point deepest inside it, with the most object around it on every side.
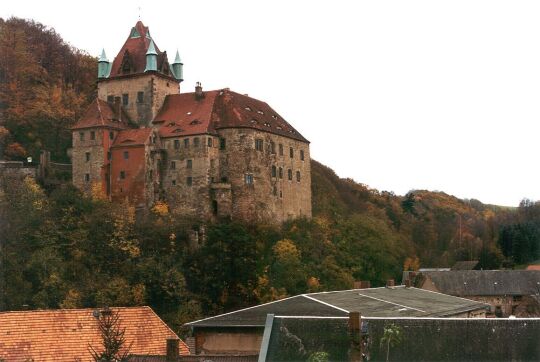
(177, 59)
(151, 49)
(103, 57)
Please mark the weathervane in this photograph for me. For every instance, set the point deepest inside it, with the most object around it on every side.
(139, 13)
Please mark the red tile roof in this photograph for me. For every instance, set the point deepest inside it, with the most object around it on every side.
(101, 113)
(185, 114)
(132, 137)
(136, 48)
(66, 334)
(533, 267)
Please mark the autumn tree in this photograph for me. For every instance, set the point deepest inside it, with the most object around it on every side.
(113, 341)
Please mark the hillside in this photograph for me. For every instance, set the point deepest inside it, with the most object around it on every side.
(60, 249)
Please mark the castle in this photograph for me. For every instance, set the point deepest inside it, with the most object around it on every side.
(208, 154)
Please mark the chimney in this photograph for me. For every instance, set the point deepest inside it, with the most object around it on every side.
(198, 91)
(190, 341)
(173, 348)
(390, 283)
(361, 284)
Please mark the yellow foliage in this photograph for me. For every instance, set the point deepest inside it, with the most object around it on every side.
(314, 285)
(411, 263)
(72, 300)
(286, 249)
(161, 208)
(97, 191)
(139, 294)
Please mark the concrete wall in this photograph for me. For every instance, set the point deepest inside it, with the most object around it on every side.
(235, 341)
(155, 88)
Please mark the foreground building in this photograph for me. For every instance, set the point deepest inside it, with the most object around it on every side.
(215, 154)
(509, 292)
(67, 334)
(241, 332)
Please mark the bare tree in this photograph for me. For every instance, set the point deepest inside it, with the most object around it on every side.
(113, 338)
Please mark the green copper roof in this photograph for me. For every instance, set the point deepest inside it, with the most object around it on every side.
(134, 33)
(103, 57)
(177, 60)
(151, 49)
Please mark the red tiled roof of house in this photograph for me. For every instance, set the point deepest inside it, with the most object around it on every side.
(132, 137)
(66, 334)
(186, 114)
(101, 113)
(533, 267)
(136, 48)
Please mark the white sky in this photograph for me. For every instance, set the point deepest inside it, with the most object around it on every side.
(399, 95)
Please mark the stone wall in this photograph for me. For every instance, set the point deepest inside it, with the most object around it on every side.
(93, 166)
(155, 88)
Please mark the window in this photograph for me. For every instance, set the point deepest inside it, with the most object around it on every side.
(125, 99)
(280, 172)
(189, 164)
(92, 135)
(86, 177)
(212, 163)
(173, 182)
(291, 152)
(259, 144)
(214, 207)
(151, 175)
(209, 142)
(302, 155)
(173, 165)
(222, 143)
(140, 97)
(189, 181)
(274, 191)
(122, 175)
(176, 144)
(111, 135)
(274, 171)
(289, 174)
(87, 155)
(126, 155)
(196, 141)
(109, 156)
(249, 179)
(81, 136)
(186, 142)
(298, 176)
(280, 149)
(110, 99)
(272, 147)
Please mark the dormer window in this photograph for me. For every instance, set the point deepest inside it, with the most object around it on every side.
(260, 112)
(247, 108)
(253, 121)
(267, 124)
(194, 122)
(178, 130)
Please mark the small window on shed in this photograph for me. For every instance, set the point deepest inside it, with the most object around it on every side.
(87, 155)
(140, 97)
(289, 174)
(196, 141)
(298, 176)
(176, 144)
(189, 181)
(274, 171)
(125, 99)
(126, 155)
(92, 135)
(302, 155)
(110, 99)
(122, 175)
(209, 141)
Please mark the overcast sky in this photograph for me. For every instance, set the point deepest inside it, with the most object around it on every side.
(398, 95)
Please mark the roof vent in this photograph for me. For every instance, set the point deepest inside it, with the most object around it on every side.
(254, 121)
(188, 113)
(260, 112)
(247, 108)
(279, 127)
(267, 124)
(198, 91)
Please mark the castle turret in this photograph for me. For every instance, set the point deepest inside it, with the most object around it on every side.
(104, 67)
(177, 68)
(151, 57)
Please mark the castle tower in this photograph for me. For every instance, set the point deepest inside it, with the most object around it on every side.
(139, 77)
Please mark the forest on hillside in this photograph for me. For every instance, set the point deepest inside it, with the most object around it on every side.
(61, 249)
